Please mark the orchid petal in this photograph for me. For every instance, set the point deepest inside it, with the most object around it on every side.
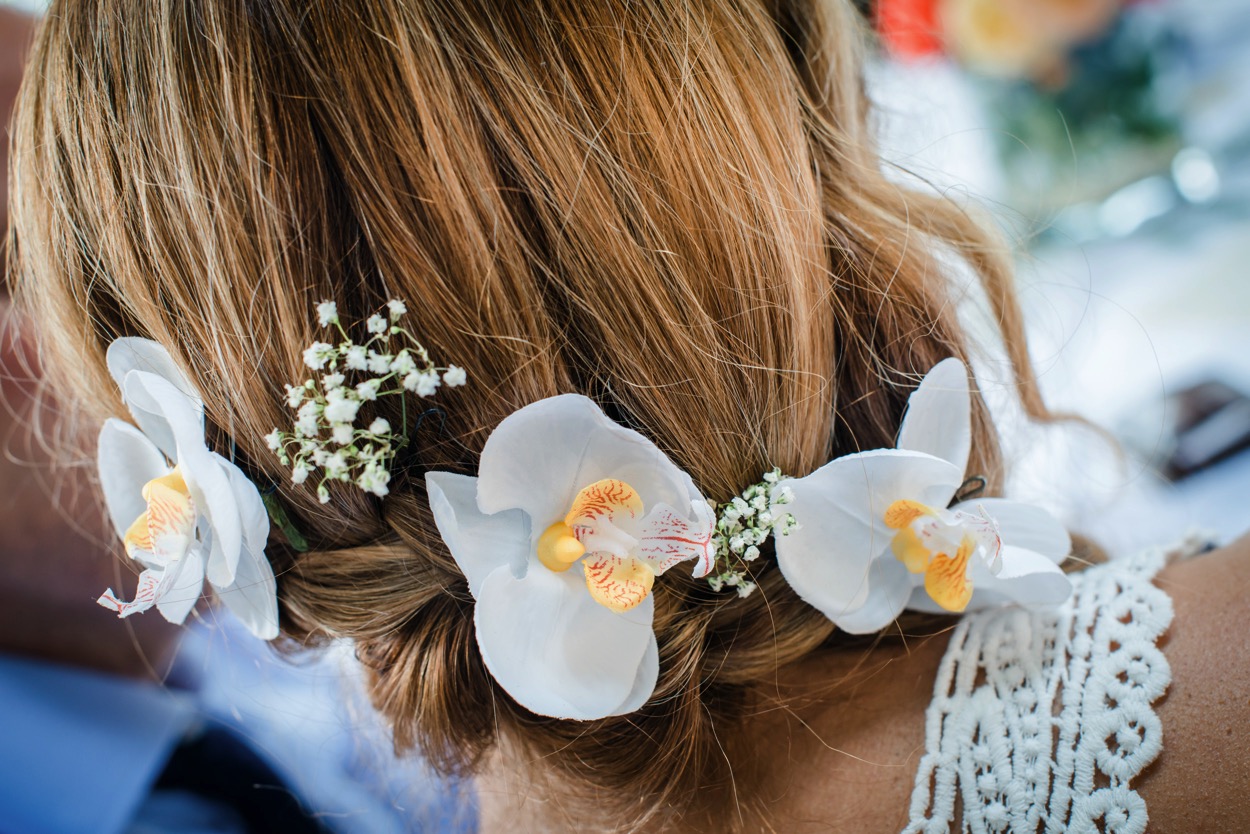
(253, 596)
(181, 587)
(841, 509)
(1026, 578)
(478, 542)
(668, 539)
(890, 585)
(610, 498)
(210, 484)
(601, 514)
(617, 583)
(938, 421)
(127, 460)
(555, 650)
(1024, 525)
(538, 458)
(946, 579)
(145, 594)
(133, 355)
(174, 588)
(203, 469)
(252, 515)
(167, 529)
(644, 681)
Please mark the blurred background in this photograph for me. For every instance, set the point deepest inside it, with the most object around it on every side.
(1110, 142)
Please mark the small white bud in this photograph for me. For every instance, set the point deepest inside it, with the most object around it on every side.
(356, 358)
(327, 313)
(317, 354)
(427, 384)
(379, 363)
(341, 406)
(782, 495)
(336, 465)
(374, 479)
(403, 364)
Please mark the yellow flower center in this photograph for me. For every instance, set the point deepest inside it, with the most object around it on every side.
(923, 545)
(167, 526)
(614, 577)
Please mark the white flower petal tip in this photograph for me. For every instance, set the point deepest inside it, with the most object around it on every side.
(876, 536)
(562, 536)
(182, 510)
(939, 415)
(557, 652)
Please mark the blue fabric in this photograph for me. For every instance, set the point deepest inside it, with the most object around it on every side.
(183, 812)
(80, 749)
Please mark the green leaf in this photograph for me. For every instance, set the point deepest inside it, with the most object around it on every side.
(277, 514)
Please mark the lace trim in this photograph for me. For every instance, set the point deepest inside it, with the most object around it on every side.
(1040, 720)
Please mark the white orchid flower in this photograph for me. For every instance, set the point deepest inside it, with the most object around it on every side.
(875, 535)
(561, 535)
(182, 510)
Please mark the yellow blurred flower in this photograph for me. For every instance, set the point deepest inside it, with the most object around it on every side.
(993, 37)
(1021, 38)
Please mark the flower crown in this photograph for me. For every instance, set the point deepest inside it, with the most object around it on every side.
(572, 518)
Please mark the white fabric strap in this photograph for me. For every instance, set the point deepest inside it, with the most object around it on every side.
(1041, 719)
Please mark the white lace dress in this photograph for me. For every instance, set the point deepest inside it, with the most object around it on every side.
(1041, 720)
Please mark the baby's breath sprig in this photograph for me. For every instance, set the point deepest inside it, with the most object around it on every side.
(743, 524)
(326, 437)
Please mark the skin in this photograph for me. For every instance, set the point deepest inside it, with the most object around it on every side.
(842, 756)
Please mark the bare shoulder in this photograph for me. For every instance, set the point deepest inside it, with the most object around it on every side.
(1201, 781)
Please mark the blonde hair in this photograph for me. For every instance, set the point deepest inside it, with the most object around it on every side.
(675, 208)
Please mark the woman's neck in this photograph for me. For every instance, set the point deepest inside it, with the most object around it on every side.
(833, 744)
